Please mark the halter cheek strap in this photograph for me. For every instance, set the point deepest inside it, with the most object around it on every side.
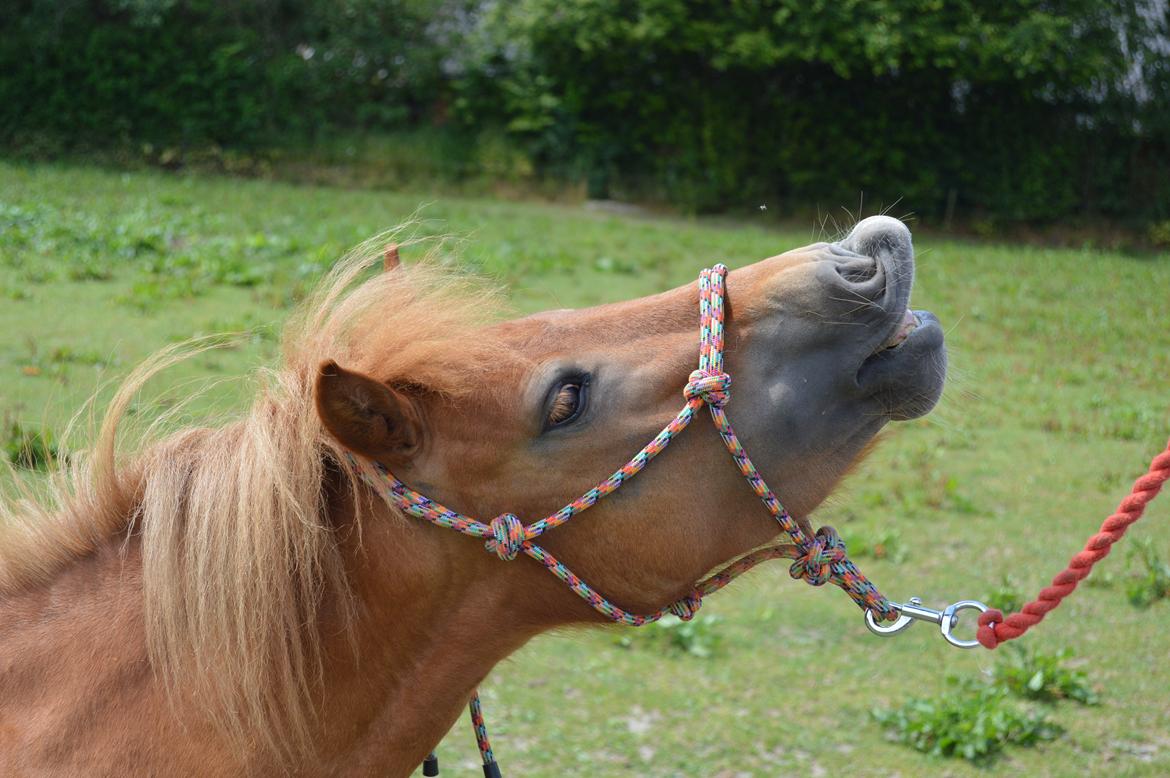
(818, 559)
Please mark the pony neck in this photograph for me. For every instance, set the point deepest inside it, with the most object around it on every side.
(434, 614)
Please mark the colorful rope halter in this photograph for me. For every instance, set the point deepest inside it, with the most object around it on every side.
(818, 559)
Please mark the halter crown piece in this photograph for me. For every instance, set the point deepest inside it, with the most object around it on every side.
(818, 559)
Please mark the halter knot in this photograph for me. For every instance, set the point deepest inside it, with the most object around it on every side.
(713, 388)
(687, 607)
(507, 538)
(815, 565)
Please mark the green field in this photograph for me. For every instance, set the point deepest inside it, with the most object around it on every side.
(1059, 395)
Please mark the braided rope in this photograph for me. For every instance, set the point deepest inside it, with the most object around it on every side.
(821, 558)
(480, 727)
(507, 538)
(995, 629)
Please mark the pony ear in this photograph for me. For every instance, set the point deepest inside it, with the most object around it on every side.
(390, 258)
(367, 416)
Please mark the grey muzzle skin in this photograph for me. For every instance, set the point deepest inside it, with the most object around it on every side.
(907, 379)
(817, 364)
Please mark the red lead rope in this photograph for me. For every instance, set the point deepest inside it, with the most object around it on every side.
(995, 629)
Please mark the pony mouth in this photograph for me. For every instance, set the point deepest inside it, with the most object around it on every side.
(906, 325)
(897, 357)
(907, 370)
(901, 331)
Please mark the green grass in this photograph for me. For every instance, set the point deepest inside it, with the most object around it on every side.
(1058, 398)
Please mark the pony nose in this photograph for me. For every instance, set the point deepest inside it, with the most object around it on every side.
(854, 275)
(879, 234)
(876, 259)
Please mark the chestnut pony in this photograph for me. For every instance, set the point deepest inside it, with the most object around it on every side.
(236, 601)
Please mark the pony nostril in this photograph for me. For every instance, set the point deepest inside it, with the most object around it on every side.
(858, 278)
(858, 271)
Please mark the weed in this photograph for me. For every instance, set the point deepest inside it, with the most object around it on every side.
(947, 495)
(975, 720)
(147, 294)
(1130, 422)
(15, 293)
(89, 270)
(1160, 234)
(249, 327)
(67, 355)
(56, 362)
(698, 637)
(38, 275)
(1038, 676)
(1152, 580)
(1007, 596)
(1101, 579)
(880, 544)
(972, 721)
(30, 449)
(925, 484)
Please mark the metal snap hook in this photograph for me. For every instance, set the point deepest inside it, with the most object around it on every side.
(903, 621)
(912, 611)
(951, 619)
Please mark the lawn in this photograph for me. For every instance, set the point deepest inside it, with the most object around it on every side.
(1060, 394)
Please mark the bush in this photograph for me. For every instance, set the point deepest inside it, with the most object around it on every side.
(1160, 234)
(202, 71)
(1001, 112)
(1016, 109)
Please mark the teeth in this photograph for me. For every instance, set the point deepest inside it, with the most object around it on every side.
(905, 327)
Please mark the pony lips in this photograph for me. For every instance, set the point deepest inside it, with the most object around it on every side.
(907, 325)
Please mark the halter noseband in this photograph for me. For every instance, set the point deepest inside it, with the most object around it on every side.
(818, 559)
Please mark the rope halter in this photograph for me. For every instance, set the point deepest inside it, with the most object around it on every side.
(816, 564)
(712, 388)
(818, 560)
(686, 608)
(507, 538)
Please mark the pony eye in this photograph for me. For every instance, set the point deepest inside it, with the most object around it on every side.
(566, 404)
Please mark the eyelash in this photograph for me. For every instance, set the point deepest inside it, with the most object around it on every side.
(568, 402)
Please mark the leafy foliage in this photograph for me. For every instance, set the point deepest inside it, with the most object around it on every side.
(698, 637)
(877, 544)
(204, 71)
(976, 719)
(1007, 596)
(1016, 111)
(719, 104)
(1044, 677)
(30, 449)
(1160, 234)
(972, 721)
(1151, 581)
(166, 257)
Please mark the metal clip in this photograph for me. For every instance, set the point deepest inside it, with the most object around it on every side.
(912, 611)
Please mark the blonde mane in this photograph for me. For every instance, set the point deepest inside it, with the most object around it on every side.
(239, 558)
